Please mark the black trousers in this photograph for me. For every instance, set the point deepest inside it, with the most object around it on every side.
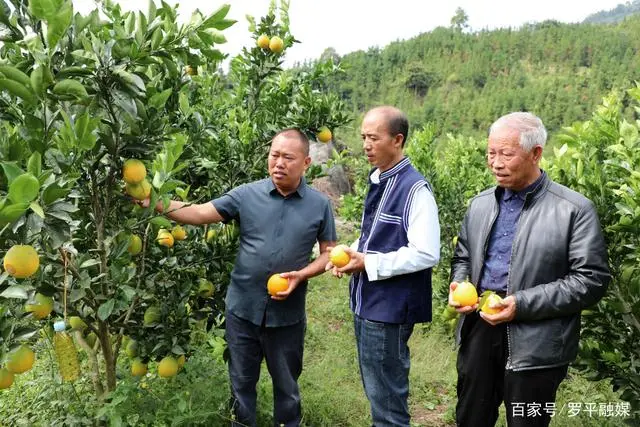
(484, 383)
(282, 348)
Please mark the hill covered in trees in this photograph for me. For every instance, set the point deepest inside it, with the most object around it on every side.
(617, 14)
(461, 81)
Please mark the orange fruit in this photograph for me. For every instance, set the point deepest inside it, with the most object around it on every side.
(181, 361)
(339, 257)
(192, 71)
(165, 238)
(42, 308)
(178, 233)
(276, 45)
(21, 261)
(138, 368)
(168, 367)
(6, 378)
(324, 134)
(465, 294)
(139, 191)
(277, 284)
(263, 41)
(20, 360)
(133, 171)
(135, 245)
(491, 299)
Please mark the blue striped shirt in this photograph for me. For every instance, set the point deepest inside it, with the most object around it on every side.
(496, 264)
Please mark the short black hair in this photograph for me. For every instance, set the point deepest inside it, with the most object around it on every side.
(397, 121)
(296, 134)
(399, 125)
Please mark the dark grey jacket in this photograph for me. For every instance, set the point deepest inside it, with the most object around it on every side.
(558, 267)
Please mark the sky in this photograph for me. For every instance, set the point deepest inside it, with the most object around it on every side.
(350, 25)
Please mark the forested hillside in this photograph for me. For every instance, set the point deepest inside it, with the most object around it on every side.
(461, 81)
(617, 14)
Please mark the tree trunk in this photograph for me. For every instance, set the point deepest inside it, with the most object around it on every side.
(93, 365)
(109, 357)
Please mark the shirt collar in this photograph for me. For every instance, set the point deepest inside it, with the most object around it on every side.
(393, 171)
(522, 194)
(300, 191)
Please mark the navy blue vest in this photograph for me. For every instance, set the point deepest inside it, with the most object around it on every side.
(399, 299)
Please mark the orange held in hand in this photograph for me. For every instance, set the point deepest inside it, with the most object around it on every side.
(491, 299)
(277, 284)
(339, 257)
(465, 294)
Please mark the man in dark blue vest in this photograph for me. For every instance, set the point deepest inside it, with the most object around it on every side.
(391, 265)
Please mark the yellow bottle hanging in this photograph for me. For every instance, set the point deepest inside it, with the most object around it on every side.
(65, 353)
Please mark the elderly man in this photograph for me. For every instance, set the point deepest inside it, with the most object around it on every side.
(540, 246)
(280, 219)
(391, 264)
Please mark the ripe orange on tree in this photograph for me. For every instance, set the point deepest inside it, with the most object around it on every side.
(139, 191)
(133, 171)
(324, 134)
(6, 378)
(21, 261)
(168, 367)
(42, 308)
(20, 360)
(263, 41)
(276, 44)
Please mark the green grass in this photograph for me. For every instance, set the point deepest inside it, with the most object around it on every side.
(332, 393)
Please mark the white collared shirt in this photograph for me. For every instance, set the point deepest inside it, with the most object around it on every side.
(423, 233)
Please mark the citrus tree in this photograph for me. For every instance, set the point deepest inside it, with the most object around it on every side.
(600, 158)
(99, 109)
(81, 94)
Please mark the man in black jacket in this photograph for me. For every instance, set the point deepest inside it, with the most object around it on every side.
(539, 245)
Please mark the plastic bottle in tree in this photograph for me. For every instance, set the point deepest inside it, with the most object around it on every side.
(66, 353)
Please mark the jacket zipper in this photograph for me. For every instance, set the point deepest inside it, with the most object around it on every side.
(509, 290)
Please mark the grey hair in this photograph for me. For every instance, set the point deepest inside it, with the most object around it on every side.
(529, 126)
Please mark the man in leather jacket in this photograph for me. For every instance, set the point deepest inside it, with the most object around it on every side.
(540, 246)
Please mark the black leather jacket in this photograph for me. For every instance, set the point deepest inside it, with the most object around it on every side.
(558, 267)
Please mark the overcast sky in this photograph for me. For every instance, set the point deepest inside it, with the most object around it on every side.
(349, 25)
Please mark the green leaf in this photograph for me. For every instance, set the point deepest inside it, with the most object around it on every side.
(158, 100)
(11, 213)
(24, 188)
(34, 165)
(161, 221)
(18, 89)
(12, 73)
(16, 291)
(11, 171)
(220, 13)
(89, 263)
(183, 100)
(85, 131)
(57, 25)
(105, 309)
(44, 9)
(53, 192)
(223, 24)
(70, 89)
(77, 295)
(37, 209)
(24, 333)
(74, 71)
